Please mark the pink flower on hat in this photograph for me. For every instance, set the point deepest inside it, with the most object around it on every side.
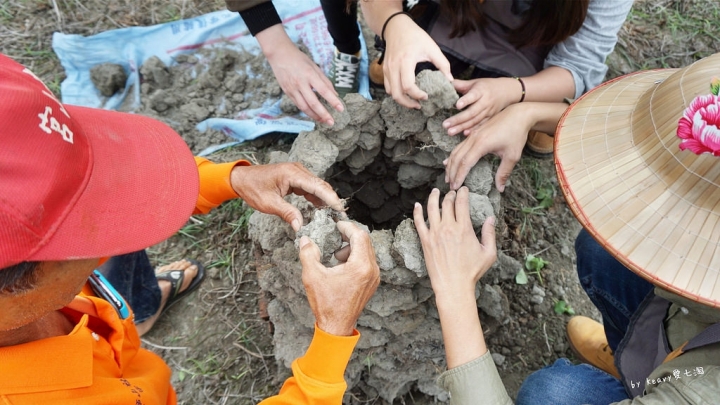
(699, 126)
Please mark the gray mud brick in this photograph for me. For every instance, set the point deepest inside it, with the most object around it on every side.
(370, 320)
(108, 78)
(498, 358)
(382, 242)
(480, 209)
(344, 139)
(439, 134)
(401, 122)
(403, 152)
(389, 299)
(431, 157)
(402, 322)
(360, 108)
(440, 91)
(411, 175)
(341, 119)
(360, 159)
(407, 250)
(269, 230)
(398, 276)
(424, 137)
(323, 231)
(369, 140)
(375, 125)
(314, 151)
(429, 387)
(370, 338)
(290, 338)
(345, 153)
(480, 178)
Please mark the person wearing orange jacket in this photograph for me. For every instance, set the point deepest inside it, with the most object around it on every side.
(78, 184)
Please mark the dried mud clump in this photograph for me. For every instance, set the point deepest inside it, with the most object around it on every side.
(218, 83)
(383, 158)
(108, 78)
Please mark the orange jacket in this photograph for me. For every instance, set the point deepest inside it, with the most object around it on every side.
(101, 361)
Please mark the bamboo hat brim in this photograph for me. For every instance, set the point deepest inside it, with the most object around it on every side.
(654, 207)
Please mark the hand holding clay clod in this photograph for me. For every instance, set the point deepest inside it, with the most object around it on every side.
(337, 295)
(264, 186)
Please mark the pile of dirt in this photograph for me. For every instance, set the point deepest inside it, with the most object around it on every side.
(212, 82)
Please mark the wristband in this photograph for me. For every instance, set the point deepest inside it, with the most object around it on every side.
(522, 84)
(382, 33)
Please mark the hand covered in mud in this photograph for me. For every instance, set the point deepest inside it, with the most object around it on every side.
(454, 257)
(482, 99)
(504, 135)
(337, 295)
(263, 188)
(298, 76)
(406, 44)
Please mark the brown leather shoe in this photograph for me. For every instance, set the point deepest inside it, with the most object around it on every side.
(539, 145)
(588, 342)
(377, 77)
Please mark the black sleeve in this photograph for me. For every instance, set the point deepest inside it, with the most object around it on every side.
(260, 17)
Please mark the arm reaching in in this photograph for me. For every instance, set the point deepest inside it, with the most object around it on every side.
(406, 44)
(504, 135)
(298, 76)
(483, 98)
(336, 296)
(455, 261)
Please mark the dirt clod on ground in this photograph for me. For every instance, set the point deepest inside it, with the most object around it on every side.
(108, 78)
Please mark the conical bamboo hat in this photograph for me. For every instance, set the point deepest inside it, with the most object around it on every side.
(653, 206)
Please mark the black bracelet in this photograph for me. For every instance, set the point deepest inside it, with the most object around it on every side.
(382, 33)
(522, 84)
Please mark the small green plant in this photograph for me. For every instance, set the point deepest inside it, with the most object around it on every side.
(562, 307)
(533, 264)
(545, 196)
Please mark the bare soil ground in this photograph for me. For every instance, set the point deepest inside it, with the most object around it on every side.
(218, 343)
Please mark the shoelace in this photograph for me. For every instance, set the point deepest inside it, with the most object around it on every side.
(345, 73)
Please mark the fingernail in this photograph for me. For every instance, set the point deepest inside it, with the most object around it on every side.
(417, 205)
(501, 188)
(460, 105)
(446, 124)
(340, 107)
(445, 163)
(296, 224)
(452, 131)
(304, 241)
(447, 180)
(491, 221)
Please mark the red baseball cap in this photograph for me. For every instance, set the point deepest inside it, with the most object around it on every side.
(79, 182)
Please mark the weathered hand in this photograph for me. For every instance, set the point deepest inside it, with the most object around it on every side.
(504, 135)
(337, 295)
(406, 45)
(263, 188)
(482, 99)
(298, 76)
(454, 257)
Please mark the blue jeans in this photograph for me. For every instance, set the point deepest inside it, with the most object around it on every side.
(133, 277)
(617, 293)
